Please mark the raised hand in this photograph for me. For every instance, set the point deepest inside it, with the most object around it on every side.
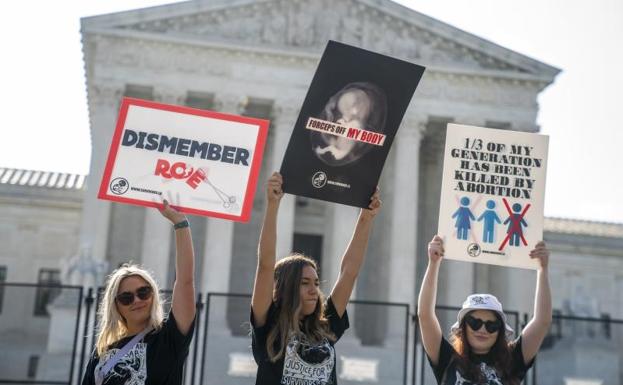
(375, 205)
(435, 249)
(274, 193)
(170, 213)
(541, 253)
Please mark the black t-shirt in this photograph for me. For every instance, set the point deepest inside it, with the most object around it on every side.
(447, 373)
(156, 360)
(303, 363)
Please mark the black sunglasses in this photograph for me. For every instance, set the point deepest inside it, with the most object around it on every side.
(476, 323)
(127, 297)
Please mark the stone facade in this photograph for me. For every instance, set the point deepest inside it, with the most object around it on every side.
(252, 54)
(586, 275)
(586, 272)
(257, 57)
(39, 229)
(236, 54)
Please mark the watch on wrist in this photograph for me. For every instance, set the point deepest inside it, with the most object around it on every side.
(181, 225)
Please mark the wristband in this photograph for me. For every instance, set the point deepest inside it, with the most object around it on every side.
(181, 224)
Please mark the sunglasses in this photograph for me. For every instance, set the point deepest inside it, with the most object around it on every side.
(476, 323)
(127, 297)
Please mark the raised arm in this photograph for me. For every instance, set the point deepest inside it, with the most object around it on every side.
(183, 303)
(429, 324)
(354, 255)
(536, 330)
(266, 252)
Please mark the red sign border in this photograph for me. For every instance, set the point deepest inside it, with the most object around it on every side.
(247, 205)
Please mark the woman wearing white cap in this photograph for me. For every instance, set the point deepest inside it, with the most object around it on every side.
(478, 351)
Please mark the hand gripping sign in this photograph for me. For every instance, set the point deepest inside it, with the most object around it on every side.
(208, 161)
(491, 207)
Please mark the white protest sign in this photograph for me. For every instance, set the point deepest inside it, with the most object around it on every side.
(204, 162)
(491, 206)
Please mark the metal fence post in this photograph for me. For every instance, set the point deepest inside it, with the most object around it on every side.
(205, 337)
(405, 365)
(88, 300)
(198, 308)
(416, 325)
(73, 350)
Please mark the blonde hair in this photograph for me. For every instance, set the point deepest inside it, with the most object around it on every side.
(315, 327)
(112, 326)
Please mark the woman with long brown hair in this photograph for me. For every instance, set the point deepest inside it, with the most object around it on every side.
(480, 350)
(136, 343)
(294, 328)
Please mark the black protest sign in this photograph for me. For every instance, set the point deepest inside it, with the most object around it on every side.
(347, 124)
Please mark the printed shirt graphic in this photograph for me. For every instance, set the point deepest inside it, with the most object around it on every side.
(131, 369)
(303, 363)
(157, 360)
(308, 364)
(447, 373)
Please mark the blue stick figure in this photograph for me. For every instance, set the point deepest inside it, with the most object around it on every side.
(490, 217)
(463, 216)
(515, 222)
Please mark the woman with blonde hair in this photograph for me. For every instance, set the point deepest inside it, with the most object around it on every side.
(480, 350)
(293, 327)
(136, 344)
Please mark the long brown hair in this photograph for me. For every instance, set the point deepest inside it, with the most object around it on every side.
(315, 327)
(500, 351)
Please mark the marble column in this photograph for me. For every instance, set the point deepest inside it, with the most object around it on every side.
(103, 110)
(285, 118)
(514, 288)
(404, 214)
(404, 221)
(88, 266)
(157, 236)
(217, 257)
(342, 224)
(169, 95)
(219, 232)
(157, 240)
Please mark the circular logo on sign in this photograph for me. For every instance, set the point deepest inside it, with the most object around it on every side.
(319, 179)
(119, 186)
(473, 250)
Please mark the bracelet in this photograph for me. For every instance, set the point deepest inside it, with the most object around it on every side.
(181, 224)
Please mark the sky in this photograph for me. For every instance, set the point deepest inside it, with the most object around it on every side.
(45, 124)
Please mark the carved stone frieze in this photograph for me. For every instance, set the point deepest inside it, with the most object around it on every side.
(286, 113)
(230, 103)
(479, 90)
(309, 24)
(104, 94)
(156, 57)
(153, 56)
(169, 95)
(413, 126)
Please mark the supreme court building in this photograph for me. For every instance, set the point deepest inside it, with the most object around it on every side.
(257, 58)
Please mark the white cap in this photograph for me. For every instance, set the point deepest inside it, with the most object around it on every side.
(482, 302)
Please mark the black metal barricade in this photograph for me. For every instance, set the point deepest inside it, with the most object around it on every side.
(47, 334)
(227, 357)
(39, 332)
(586, 350)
